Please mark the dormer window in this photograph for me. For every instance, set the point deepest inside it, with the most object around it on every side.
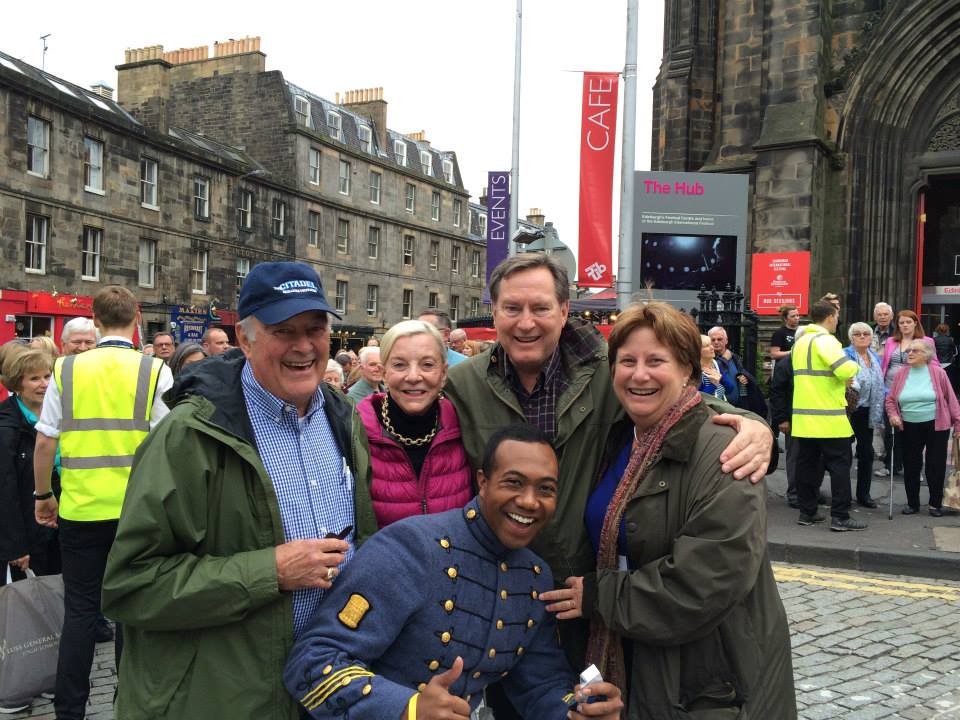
(333, 123)
(448, 171)
(366, 138)
(301, 106)
(426, 162)
(400, 152)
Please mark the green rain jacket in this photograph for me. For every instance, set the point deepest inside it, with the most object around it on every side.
(192, 573)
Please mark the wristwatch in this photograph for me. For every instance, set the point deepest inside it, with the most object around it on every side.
(43, 496)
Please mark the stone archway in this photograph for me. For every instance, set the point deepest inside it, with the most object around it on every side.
(895, 108)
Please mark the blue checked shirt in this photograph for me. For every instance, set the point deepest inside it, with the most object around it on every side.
(313, 483)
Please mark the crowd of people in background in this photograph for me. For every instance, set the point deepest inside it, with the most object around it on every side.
(892, 381)
(313, 535)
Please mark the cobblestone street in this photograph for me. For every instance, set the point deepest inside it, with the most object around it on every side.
(864, 646)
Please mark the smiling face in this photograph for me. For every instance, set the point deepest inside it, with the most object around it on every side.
(415, 372)
(647, 378)
(79, 342)
(520, 496)
(34, 386)
(289, 358)
(529, 318)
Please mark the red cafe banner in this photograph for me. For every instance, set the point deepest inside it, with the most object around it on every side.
(598, 128)
(780, 279)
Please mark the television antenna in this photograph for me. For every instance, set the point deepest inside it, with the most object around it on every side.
(43, 65)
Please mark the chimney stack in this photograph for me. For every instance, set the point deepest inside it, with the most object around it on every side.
(536, 216)
(369, 103)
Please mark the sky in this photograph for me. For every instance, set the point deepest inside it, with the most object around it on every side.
(446, 67)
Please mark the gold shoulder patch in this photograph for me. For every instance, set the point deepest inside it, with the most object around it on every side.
(353, 612)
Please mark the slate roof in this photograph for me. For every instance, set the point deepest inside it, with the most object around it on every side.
(349, 124)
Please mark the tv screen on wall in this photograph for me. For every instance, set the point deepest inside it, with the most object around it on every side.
(685, 262)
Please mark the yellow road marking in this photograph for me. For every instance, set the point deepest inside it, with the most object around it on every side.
(865, 583)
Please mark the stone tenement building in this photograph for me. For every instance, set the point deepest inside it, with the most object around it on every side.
(846, 116)
(204, 167)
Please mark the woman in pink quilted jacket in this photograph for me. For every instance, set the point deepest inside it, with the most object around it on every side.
(418, 462)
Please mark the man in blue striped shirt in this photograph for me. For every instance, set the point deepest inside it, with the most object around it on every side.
(242, 508)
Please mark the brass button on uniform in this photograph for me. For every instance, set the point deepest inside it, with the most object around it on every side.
(452, 573)
(476, 675)
(503, 594)
(530, 623)
(444, 543)
(534, 595)
(492, 653)
(537, 569)
(346, 681)
(421, 687)
(367, 689)
(503, 566)
(433, 665)
(499, 624)
(327, 670)
(471, 514)
(520, 650)
(448, 606)
(445, 638)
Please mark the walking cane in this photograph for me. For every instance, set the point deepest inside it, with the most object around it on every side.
(893, 440)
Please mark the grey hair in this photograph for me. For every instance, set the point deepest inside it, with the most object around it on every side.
(715, 328)
(249, 325)
(334, 365)
(882, 304)
(925, 346)
(366, 352)
(859, 327)
(406, 329)
(78, 324)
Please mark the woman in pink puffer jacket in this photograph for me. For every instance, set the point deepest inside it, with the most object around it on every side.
(418, 464)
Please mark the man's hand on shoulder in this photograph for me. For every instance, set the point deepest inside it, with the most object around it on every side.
(436, 702)
(309, 563)
(748, 454)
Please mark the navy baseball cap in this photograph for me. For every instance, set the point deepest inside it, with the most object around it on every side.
(276, 291)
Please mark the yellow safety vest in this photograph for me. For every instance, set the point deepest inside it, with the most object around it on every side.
(820, 372)
(106, 396)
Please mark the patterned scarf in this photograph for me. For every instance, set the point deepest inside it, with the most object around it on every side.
(605, 648)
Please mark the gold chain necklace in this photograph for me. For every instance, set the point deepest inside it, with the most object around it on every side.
(413, 442)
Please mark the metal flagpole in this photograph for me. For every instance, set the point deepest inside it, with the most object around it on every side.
(515, 161)
(628, 161)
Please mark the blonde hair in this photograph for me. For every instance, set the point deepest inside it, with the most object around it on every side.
(42, 342)
(406, 329)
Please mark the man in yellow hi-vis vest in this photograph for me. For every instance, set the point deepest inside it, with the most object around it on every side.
(821, 373)
(99, 409)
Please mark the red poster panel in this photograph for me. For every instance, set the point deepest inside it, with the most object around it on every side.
(598, 128)
(780, 279)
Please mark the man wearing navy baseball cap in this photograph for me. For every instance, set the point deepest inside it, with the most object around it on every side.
(241, 510)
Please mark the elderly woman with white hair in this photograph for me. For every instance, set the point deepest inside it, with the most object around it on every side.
(868, 414)
(923, 406)
(418, 463)
(333, 375)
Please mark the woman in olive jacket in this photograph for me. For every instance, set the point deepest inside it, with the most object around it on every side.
(684, 610)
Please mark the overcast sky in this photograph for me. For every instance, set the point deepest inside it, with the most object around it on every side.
(446, 67)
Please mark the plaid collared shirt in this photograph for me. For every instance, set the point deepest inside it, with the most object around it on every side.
(313, 484)
(540, 405)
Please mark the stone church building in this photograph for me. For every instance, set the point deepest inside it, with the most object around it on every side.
(846, 116)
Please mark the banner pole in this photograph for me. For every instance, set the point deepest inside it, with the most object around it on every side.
(628, 162)
(515, 157)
